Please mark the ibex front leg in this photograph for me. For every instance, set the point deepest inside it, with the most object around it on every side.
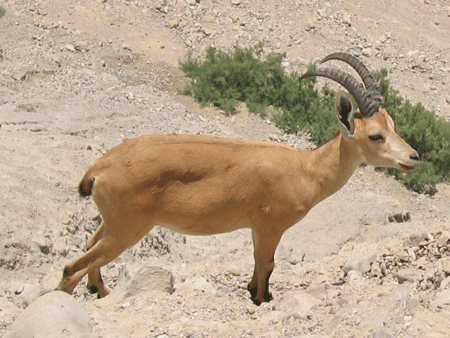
(265, 244)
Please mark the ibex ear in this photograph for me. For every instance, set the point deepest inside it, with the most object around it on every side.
(345, 114)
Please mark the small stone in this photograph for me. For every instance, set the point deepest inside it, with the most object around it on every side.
(400, 217)
(42, 245)
(234, 270)
(375, 271)
(441, 301)
(174, 23)
(360, 263)
(273, 317)
(445, 267)
(318, 290)
(322, 13)
(197, 283)
(404, 257)
(354, 276)
(445, 283)
(400, 294)
(70, 48)
(299, 302)
(413, 304)
(250, 309)
(367, 52)
(236, 2)
(408, 275)
(65, 218)
(411, 254)
(443, 239)
(15, 287)
(126, 48)
(310, 25)
(383, 332)
(347, 18)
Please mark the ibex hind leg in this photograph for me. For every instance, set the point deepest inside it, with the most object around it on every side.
(95, 281)
(104, 251)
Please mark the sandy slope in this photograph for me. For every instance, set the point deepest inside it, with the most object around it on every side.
(78, 77)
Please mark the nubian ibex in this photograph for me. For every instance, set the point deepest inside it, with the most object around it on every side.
(202, 185)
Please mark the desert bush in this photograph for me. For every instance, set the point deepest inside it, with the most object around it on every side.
(226, 79)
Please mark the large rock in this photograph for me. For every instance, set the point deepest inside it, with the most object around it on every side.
(56, 314)
(136, 277)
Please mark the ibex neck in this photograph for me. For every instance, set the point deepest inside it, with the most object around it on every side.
(331, 166)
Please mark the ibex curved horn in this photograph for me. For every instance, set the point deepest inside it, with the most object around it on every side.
(369, 80)
(368, 105)
(369, 98)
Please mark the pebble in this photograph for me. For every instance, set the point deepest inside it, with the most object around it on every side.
(376, 270)
(413, 304)
(70, 48)
(273, 317)
(441, 301)
(408, 275)
(361, 263)
(174, 23)
(445, 283)
(354, 276)
(299, 302)
(383, 332)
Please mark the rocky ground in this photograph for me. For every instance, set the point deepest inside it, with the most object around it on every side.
(76, 77)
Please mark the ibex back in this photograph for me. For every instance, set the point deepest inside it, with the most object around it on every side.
(202, 185)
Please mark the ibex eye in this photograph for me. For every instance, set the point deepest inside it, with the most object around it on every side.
(376, 137)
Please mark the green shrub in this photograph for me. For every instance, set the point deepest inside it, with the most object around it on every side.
(2, 11)
(226, 79)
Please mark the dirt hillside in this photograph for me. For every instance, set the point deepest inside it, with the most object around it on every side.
(76, 77)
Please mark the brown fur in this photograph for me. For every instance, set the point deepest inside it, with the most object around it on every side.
(203, 185)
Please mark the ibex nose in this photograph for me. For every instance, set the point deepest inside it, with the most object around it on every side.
(414, 156)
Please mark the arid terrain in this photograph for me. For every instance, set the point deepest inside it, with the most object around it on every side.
(77, 77)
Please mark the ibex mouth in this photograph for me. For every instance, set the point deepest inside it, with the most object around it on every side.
(405, 167)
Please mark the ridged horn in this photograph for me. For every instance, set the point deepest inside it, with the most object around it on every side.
(368, 104)
(369, 80)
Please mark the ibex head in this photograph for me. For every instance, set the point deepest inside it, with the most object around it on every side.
(373, 132)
